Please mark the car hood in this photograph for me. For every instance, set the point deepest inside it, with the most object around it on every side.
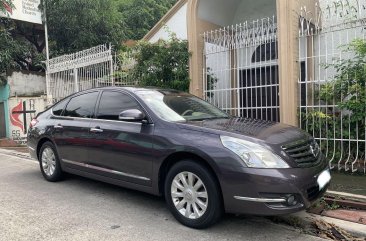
(269, 132)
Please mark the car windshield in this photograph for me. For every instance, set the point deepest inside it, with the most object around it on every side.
(175, 106)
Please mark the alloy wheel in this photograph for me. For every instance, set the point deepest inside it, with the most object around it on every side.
(189, 195)
(48, 161)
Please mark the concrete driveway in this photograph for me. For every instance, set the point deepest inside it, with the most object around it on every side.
(82, 209)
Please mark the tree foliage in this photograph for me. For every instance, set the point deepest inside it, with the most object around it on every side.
(75, 25)
(141, 15)
(22, 44)
(163, 64)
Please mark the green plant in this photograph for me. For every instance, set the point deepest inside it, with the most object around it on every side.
(211, 82)
(140, 16)
(322, 203)
(347, 91)
(162, 64)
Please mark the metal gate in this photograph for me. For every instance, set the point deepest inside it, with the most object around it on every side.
(79, 71)
(240, 73)
(332, 100)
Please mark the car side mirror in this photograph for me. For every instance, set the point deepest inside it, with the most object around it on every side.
(132, 115)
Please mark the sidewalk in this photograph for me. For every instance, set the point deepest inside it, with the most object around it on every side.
(348, 182)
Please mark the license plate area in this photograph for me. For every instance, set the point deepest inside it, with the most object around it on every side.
(323, 179)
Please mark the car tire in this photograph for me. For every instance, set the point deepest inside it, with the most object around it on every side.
(49, 163)
(193, 213)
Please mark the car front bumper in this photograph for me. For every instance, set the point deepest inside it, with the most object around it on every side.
(267, 191)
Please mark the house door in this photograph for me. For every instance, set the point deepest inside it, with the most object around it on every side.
(2, 121)
(259, 90)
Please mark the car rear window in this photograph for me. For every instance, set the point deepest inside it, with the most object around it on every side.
(59, 107)
(82, 106)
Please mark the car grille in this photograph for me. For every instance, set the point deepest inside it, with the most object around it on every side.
(305, 153)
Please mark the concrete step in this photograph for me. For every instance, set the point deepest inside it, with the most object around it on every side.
(348, 196)
(8, 143)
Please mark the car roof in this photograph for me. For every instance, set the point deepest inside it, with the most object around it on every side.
(134, 89)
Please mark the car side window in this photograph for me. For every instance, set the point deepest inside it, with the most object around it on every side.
(82, 106)
(59, 107)
(113, 103)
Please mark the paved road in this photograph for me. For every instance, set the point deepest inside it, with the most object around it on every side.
(82, 209)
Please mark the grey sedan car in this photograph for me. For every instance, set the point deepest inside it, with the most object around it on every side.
(165, 142)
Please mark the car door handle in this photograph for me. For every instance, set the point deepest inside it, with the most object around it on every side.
(59, 126)
(96, 130)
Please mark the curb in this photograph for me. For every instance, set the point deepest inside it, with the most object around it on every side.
(306, 219)
(350, 196)
(15, 153)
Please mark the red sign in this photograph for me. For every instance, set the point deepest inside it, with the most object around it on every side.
(14, 116)
(18, 110)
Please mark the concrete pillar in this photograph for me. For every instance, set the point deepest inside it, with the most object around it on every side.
(288, 49)
(195, 48)
(196, 27)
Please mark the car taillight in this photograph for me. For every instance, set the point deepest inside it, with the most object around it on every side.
(33, 122)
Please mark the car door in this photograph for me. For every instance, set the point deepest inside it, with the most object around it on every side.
(71, 129)
(119, 149)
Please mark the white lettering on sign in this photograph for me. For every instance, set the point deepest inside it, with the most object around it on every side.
(25, 10)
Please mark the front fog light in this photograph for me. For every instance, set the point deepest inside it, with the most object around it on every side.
(291, 200)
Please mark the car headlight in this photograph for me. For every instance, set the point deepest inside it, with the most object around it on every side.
(253, 155)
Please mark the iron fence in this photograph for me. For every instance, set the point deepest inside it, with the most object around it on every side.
(332, 104)
(240, 73)
(79, 71)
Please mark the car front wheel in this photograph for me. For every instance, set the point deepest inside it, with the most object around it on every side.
(193, 195)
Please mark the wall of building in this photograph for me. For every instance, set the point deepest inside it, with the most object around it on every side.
(23, 98)
(176, 24)
(229, 12)
(25, 83)
(253, 10)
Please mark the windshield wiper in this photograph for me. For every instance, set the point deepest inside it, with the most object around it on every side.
(210, 118)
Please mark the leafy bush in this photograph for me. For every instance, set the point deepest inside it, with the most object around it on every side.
(163, 64)
(347, 91)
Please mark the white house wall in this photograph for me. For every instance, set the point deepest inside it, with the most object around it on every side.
(229, 12)
(176, 24)
(27, 84)
(252, 10)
